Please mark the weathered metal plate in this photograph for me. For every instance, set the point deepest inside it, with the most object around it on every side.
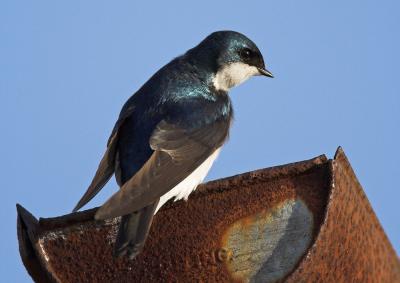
(192, 241)
(351, 245)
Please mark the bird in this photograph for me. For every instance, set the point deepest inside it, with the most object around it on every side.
(170, 132)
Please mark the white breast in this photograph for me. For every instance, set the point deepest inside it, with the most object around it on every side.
(233, 74)
(189, 184)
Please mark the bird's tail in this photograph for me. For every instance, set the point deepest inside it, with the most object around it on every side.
(133, 231)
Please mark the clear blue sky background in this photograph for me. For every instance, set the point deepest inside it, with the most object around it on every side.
(67, 67)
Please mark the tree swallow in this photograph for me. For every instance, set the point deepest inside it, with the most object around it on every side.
(169, 133)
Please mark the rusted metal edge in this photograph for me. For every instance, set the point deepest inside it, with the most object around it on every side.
(221, 185)
(27, 226)
(290, 169)
(351, 245)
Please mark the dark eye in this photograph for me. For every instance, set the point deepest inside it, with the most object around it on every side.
(246, 53)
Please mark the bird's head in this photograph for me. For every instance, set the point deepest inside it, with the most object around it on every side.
(231, 57)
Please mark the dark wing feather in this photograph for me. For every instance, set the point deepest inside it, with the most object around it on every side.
(107, 164)
(177, 153)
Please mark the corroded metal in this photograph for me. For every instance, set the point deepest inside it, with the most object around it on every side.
(266, 246)
(351, 245)
(305, 222)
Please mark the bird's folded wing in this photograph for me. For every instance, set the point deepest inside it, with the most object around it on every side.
(103, 174)
(107, 164)
(177, 153)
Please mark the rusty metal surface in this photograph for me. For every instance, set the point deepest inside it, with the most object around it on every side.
(188, 241)
(186, 237)
(351, 245)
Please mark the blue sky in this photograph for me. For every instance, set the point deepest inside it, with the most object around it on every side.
(67, 68)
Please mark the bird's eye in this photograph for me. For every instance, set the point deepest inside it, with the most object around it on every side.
(246, 53)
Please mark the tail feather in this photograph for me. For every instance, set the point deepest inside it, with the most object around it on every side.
(103, 174)
(133, 231)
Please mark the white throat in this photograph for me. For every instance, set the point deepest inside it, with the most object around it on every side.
(232, 75)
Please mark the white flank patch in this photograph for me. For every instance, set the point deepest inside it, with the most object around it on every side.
(189, 184)
(232, 75)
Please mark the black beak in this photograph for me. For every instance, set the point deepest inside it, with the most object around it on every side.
(265, 72)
